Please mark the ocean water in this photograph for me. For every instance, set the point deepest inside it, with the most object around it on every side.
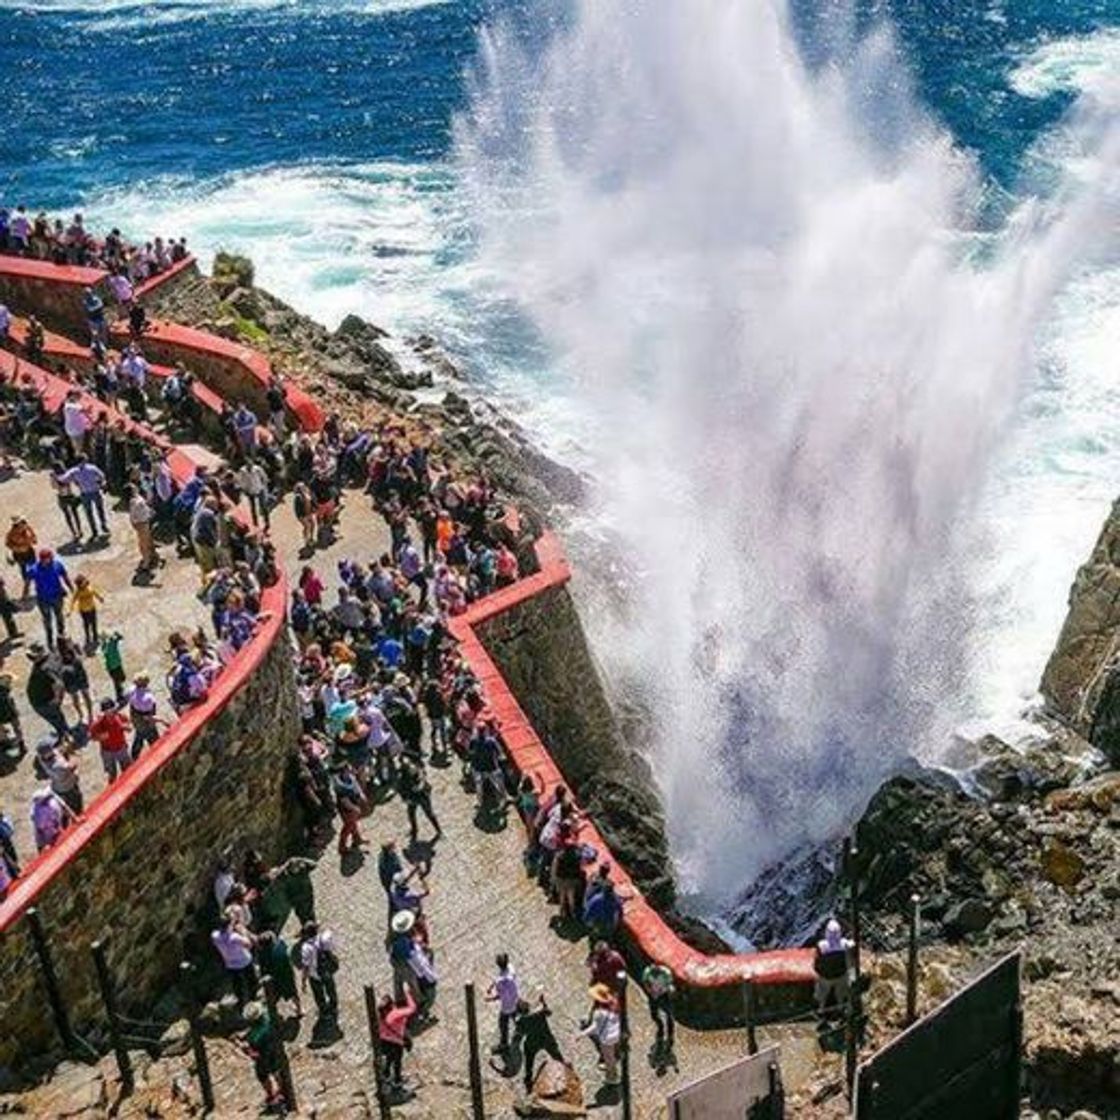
(436, 165)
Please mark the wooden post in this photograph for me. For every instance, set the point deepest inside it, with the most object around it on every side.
(777, 1092)
(109, 998)
(912, 960)
(477, 1109)
(198, 1043)
(852, 854)
(851, 1046)
(286, 1086)
(624, 1043)
(752, 1034)
(50, 977)
(375, 1048)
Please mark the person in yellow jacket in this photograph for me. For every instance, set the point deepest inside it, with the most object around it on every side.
(84, 601)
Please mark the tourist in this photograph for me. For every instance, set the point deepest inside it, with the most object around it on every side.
(351, 801)
(263, 1046)
(90, 480)
(303, 505)
(66, 494)
(393, 1017)
(252, 479)
(84, 601)
(140, 517)
(274, 397)
(205, 534)
(9, 711)
(110, 732)
(401, 945)
(75, 679)
(55, 763)
(604, 1027)
(292, 879)
(567, 873)
(505, 991)
(8, 614)
(318, 962)
(831, 965)
(75, 421)
(607, 966)
(5, 325)
(45, 691)
(9, 860)
(657, 983)
(94, 308)
(536, 1037)
(52, 582)
(602, 910)
(20, 543)
(49, 816)
(113, 661)
(416, 792)
(274, 961)
(142, 712)
(235, 947)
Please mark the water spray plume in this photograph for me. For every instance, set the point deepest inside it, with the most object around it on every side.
(767, 278)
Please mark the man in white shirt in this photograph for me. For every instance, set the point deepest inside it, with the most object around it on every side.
(20, 230)
(236, 950)
(75, 421)
(506, 992)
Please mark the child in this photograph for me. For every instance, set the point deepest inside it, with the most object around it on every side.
(114, 662)
(84, 601)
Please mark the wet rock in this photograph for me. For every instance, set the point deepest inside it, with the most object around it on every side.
(231, 271)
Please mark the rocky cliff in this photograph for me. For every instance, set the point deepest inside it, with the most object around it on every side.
(1081, 683)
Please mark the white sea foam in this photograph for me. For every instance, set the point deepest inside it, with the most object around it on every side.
(764, 279)
(126, 15)
(1078, 63)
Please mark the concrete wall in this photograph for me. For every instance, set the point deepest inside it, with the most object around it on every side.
(51, 292)
(136, 866)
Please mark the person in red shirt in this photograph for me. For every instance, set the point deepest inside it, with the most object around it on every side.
(393, 1017)
(110, 731)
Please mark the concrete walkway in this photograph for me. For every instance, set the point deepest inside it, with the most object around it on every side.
(145, 612)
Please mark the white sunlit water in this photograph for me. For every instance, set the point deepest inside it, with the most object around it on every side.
(767, 284)
(876, 466)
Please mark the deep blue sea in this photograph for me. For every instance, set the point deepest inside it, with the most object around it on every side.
(319, 137)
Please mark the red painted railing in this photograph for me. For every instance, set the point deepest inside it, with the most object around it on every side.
(112, 801)
(647, 931)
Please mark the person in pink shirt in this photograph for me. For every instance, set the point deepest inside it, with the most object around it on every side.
(393, 1018)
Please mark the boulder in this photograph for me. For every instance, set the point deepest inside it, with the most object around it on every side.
(232, 270)
(1061, 864)
(968, 916)
(557, 1091)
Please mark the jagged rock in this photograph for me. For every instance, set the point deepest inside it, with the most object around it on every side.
(1061, 864)
(969, 916)
(456, 404)
(176, 1039)
(355, 327)
(231, 270)
(557, 1091)
(247, 303)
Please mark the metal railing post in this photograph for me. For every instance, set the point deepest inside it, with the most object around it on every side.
(198, 1043)
(752, 1033)
(50, 978)
(912, 960)
(109, 998)
(624, 1043)
(477, 1108)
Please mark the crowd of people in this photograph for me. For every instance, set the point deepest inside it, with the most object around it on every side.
(40, 237)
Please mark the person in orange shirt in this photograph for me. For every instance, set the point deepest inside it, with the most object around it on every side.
(20, 542)
(84, 601)
(445, 530)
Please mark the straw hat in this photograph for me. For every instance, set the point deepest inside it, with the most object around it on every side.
(600, 993)
(403, 921)
(253, 1012)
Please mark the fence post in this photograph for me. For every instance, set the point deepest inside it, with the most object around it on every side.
(851, 854)
(198, 1043)
(752, 1034)
(777, 1092)
(851, 1046)
(50, 977)
(375, 1047)
(912, 960)
(624, 1043)
(109, 998)
(477, 1110)
(286, 1085)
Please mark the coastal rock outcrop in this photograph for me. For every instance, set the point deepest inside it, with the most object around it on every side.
(1081, 682)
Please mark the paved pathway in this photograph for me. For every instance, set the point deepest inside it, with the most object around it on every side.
(145, 612)
(481, 904)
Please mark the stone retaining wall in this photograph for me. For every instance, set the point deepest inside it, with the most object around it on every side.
(52, 292)
(136, 867)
